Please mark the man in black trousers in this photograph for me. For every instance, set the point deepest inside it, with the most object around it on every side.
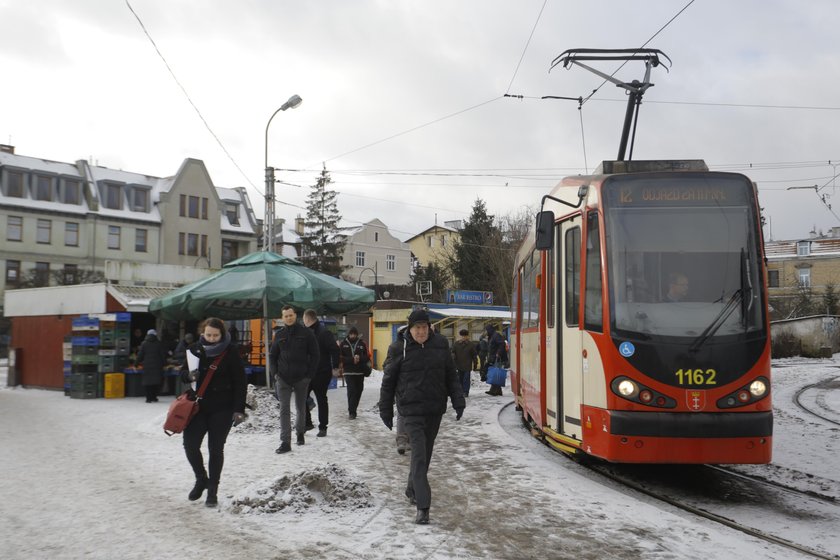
(421, 374)
(327, 365)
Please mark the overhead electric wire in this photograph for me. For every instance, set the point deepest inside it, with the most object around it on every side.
(528, 42)
(189, 99)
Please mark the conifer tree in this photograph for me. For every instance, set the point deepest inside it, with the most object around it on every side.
(322, 244)
(469, 263)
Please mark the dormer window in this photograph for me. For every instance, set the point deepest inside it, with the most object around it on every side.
(70, 191)
(232, 212)
(803, 248)
(14, 184)
(43, 187)
(112, 196)
(140, 199)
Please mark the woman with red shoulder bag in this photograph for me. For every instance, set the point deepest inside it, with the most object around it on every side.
(222, 406)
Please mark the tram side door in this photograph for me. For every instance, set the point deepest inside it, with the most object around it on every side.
(569, 374)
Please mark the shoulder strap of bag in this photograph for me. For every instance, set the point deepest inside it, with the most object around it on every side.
(210, 373)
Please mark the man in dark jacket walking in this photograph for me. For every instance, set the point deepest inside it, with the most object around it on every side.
(466, 357)
(327, 365)
(421, 375)
(152, 356)
(293, 358)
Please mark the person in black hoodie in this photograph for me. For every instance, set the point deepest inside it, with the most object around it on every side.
(355, 361)
(327, 365)
(420, 374)
(293, 359)
(222, 407)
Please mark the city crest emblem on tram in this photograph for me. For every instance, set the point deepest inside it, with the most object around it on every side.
(695, 400)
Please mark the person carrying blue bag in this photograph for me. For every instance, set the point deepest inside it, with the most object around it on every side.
(496, 358)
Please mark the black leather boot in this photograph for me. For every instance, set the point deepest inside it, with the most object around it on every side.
(198, 489)
(422, 517)
(212, 500)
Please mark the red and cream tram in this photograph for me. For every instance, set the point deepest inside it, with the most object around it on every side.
(640, 329)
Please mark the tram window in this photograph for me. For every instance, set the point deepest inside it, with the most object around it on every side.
(572, 275)
(549, 284)
(530, 292)
(514, 309)
(593, 307)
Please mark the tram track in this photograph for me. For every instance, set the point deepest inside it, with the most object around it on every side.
(618, 474)
(823, 385)
(741, 501)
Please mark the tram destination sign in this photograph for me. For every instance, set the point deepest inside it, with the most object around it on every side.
(690, 190)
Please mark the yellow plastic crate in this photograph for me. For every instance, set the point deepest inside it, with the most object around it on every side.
(114, 385)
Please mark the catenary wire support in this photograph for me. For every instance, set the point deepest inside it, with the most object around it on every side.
(635, 89)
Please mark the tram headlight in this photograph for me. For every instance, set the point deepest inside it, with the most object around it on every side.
(758, 388)
(627, 388)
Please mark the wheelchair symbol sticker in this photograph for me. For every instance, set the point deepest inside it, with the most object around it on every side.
(626, 349)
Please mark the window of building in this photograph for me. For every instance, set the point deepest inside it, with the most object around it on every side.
(43, 187)
(70, 192)
(70, 275)
(360, 258)
(391, 262)
(192, 244)
(805, 277)
(14, 184)
(443, 241)
(141, 237)
(182, 243)
(140, 199)
(430, 239)
(113, 237)
(42, 274)
(182, 207)
(14, 228)
(71, 234)
(229, 251)
(192, 208)
(203, 252)
(376, 236)
(803, 248)
(44, 231)
(232, 213)
(203, 208)
(112, 196)
(773, 278)
(12, 273)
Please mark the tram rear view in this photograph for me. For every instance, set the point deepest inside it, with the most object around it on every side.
(653, 338)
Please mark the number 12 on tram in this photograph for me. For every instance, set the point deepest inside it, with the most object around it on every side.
(640, 329)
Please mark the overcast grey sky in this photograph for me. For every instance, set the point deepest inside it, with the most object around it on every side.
(404, 100)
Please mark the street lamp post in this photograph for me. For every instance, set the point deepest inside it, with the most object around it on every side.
(375, 278)
(268, 225)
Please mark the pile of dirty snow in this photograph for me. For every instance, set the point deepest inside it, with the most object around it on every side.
(329, 488)
(264, 417)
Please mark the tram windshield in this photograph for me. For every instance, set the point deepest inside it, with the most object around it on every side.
(683, 256)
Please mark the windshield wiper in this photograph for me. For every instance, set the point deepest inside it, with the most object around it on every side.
(731, 305)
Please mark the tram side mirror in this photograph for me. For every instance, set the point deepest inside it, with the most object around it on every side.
(545, 230)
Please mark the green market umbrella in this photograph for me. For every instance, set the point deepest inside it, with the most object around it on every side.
(258, 285)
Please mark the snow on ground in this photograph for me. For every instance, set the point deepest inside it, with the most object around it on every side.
(99, 479)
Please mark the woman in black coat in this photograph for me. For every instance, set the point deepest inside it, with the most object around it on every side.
(152, 356)
(222, 407)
